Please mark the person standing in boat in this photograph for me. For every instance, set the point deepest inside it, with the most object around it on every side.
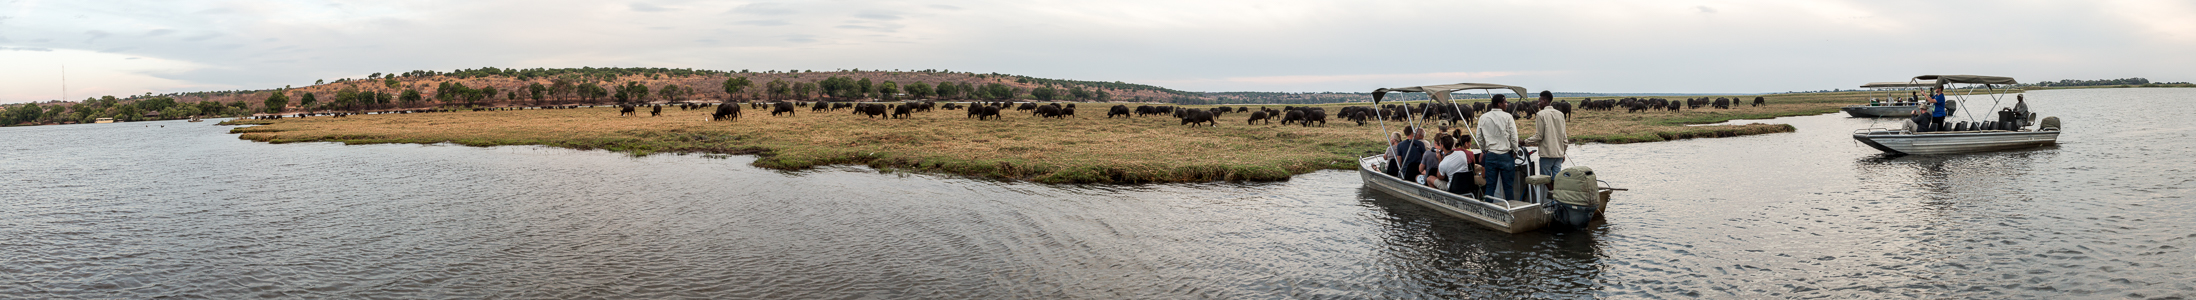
(1552, 137)
(1498, 140)
(1936, 110)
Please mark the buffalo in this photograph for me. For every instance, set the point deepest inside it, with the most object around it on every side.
(1046, 111)
(626, 110)
(725, 113)
(1313, 115)
(1258, 116)
(1194, 117)
(657, 111)
(903, 111)
(781, 107)
(1117, 110)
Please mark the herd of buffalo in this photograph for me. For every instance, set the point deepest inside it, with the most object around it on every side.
(1301, 116)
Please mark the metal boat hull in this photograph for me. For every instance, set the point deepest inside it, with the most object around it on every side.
(1511, 217)
(1933, 143)
(1864, 111)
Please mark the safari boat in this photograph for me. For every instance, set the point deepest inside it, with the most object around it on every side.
(1889, 105)
(103, 120)
(2010, 131)
(1511, 216)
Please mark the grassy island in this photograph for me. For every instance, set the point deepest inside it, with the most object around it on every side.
(1087, 148)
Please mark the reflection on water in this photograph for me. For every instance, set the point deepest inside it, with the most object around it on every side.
(135, 210)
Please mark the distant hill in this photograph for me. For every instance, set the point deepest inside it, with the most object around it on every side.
(388, 90)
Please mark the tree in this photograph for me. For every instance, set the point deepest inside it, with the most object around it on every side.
(1000, 91)
(1045, 93)
(590, 91)
(863, 87)
(485, 93)
(276, 102)
(563, 85)
(632, 91)
(735, 85)
(947, 90)
(919, 90)
(1078, 93)
(536, 91)
(410, 97)
(777, 88)
(887, 89)
(671, 92)
(305, 100)
(968, 91)
(803, 88)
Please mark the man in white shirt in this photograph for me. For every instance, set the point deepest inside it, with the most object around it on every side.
(1498, 136)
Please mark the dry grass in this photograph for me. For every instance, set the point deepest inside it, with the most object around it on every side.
(1086, 148)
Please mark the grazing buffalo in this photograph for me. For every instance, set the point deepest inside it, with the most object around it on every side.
(984, 111)
(1194, 117)
(725, 113)
(1258, 116)
(1027, 106)
(1759, 101)
(1046, 111)
(1117, 110)
(903, 111)
(1313, 115)
(656, 111)
(626, 110)
(781, 107)
(871, 110)
(1292, 115)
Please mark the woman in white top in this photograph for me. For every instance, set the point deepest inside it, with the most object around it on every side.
(1456, 162)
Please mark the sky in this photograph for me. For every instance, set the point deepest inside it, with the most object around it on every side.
(136, 47)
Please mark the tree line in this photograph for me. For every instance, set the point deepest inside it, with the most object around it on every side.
(140, 108)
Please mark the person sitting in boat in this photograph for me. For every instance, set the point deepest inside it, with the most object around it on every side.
(1460, 168)
(1432, 172)
(1413, 153)
(1395, 164)
(1498, 138)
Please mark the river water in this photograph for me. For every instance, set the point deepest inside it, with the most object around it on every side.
(175, 209)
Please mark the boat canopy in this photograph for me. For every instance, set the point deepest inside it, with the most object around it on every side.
(1969, 79)
(1441, 92)
(1898, 84)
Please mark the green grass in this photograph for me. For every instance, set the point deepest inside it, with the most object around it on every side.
(1085, 149)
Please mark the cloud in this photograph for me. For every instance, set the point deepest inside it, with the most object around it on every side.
(644, 7)
(202, 37)
(1585, 45)
(762, 22)
(764, 8)
(95, 35)
(877, 15)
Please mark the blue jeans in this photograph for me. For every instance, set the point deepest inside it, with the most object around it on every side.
(1551, 165)
(1499, 169)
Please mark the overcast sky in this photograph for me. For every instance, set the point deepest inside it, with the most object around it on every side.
(130, 47)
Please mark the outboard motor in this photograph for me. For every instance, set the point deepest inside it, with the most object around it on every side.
(1576, 197)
